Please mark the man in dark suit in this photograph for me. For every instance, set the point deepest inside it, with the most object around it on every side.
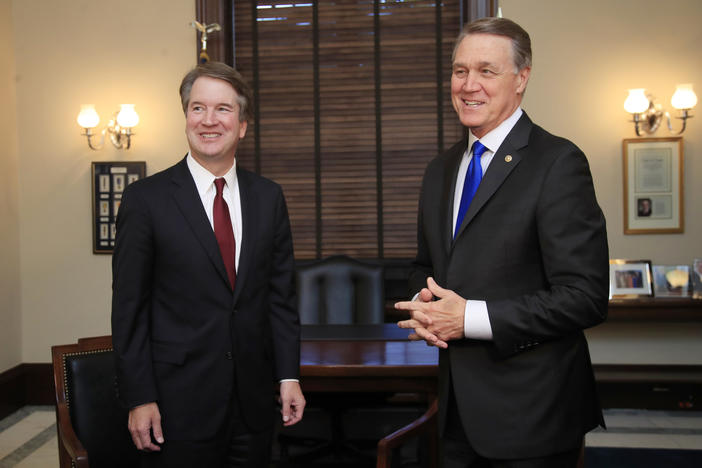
(204, 320)
(523, 269)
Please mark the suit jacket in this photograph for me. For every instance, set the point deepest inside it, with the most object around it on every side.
(181, 336)
(533, 245)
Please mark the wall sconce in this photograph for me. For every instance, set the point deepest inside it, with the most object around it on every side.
(647, 114)
(119, 127)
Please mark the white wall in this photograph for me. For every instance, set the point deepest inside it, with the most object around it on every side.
(10, 313)
(67, 54)
(586, 55)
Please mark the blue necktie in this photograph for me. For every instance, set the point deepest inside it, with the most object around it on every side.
(470, 185)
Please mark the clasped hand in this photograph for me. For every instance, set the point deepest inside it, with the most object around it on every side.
(435, 322)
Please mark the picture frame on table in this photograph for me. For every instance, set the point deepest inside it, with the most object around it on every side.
(671, 280)
(653, 185)
(109, 179)
(630, 279)
(696, 276)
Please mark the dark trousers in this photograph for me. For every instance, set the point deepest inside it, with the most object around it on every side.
(234, 446)
(457, 452)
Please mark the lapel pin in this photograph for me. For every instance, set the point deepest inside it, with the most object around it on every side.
(508, 158)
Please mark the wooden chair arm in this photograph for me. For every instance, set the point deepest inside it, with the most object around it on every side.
(424, 423)
(69, 439)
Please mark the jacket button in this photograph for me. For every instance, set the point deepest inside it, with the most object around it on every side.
(228, 354)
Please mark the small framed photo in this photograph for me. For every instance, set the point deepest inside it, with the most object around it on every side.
(630, 278)
(653, 185)
(696, 275)
(109, 179)
(671, 281)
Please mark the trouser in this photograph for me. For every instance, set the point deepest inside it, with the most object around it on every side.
(234, 446)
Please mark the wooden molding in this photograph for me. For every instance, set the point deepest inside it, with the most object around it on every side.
(26, 384)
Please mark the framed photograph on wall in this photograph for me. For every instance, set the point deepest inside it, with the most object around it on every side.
(630, 278)
(653, 185)
(671, 281)
(109, 179)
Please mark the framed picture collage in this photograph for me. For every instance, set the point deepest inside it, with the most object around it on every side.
(109, 179)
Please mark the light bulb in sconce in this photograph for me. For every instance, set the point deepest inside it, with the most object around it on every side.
(88, 116)
(636, 102)
(127, 117)
(647, 114)
(119, 127)
(684, 97)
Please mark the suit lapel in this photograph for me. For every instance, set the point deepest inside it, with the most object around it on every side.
(503, 163)
(450, 174)
(248, 230)
(188, 201)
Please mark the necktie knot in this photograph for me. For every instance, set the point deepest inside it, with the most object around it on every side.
(219, 185)
(478, 149)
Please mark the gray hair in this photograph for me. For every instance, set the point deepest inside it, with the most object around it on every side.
(224, 72)
(521, 43)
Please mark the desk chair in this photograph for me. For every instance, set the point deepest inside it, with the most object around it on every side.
(340, 290)
(336, 290)
(91, 424)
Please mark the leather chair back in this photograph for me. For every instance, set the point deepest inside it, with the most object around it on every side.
(85, 378)
(340, 290)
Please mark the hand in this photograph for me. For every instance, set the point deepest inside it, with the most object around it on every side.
(420, 332)
(435, 322)
(142, 420)
(292, 402)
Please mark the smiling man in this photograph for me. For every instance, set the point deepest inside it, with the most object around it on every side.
(511, 266)
(203, 309)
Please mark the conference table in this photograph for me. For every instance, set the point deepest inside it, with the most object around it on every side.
(366, 358)
(371, 358)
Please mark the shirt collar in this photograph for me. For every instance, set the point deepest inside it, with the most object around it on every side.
(204, 179)
(494, 138)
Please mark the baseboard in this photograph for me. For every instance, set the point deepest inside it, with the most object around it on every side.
(26, 384)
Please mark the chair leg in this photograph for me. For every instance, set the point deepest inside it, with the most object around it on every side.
(581, 458)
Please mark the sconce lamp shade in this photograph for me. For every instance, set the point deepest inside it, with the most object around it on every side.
(636, 102)
(127, 116)
(88, 116)
(684, 97)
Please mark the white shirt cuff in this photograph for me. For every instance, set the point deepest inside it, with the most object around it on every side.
(476, 322)
(289, 380)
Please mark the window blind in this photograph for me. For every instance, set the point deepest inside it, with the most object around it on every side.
(352, 102)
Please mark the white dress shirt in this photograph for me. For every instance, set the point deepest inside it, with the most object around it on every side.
(204, 181)
(476, 323)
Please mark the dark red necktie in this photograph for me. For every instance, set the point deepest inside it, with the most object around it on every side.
(224, 231)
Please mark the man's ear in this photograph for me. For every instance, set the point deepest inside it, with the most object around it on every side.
(523, 79)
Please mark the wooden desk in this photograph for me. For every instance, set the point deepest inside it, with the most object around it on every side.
(379, 358)
(370, 359)
(366, 358)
